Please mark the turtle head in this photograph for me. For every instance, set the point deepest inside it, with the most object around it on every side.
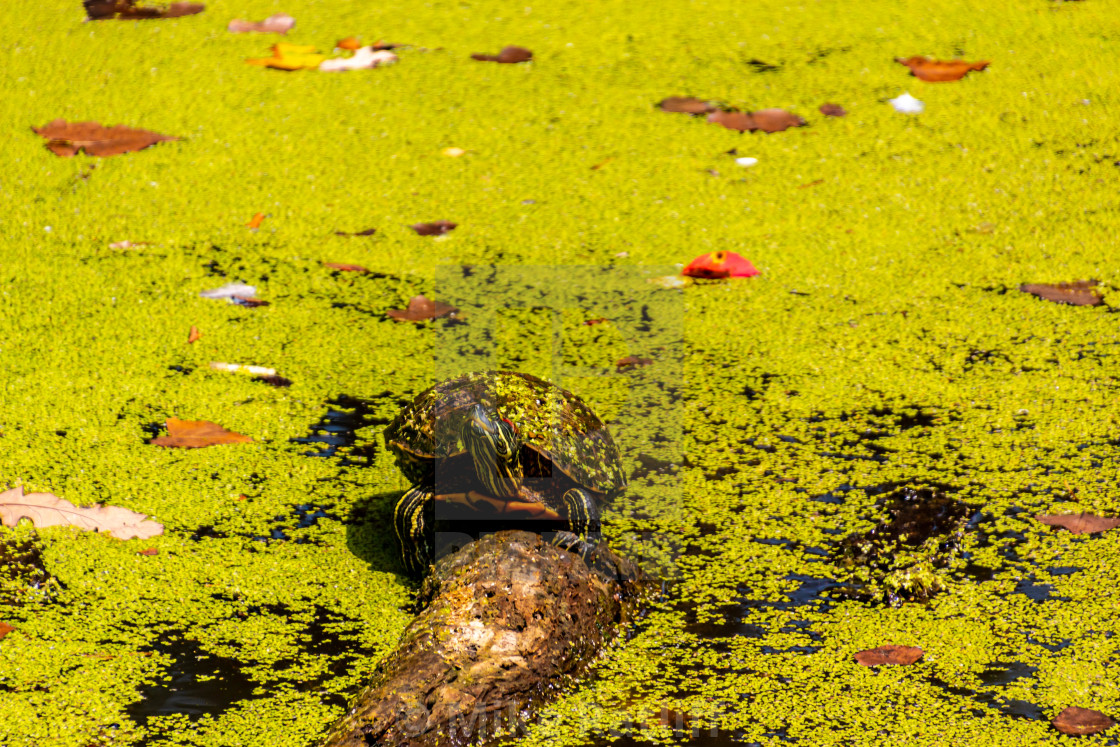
(493, 444)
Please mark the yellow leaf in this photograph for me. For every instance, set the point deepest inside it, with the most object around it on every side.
(290, 57)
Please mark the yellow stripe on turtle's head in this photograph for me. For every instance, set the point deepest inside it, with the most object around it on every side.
(494, 446)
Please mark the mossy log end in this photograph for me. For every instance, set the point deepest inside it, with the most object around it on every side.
(508, 619)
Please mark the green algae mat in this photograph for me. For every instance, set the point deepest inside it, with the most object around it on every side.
(884, 355)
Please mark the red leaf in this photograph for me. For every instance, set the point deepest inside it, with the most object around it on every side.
(632, 360)
(344, 267)
(1077, 293)
(193, 335)
(66, 139)
(1079, 721)
(435, 228)
(1080, 523)
(421, 309)
(5, 628)
(508, 55)
(939, 71)
(833, 110)
(149, 552)
(721, 264)
(900, 655)
(194, 434)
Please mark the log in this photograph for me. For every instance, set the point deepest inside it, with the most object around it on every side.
(509, 619)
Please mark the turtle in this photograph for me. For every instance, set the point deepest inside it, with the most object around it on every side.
(515, 439)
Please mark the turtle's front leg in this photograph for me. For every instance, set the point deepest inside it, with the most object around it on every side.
(412, 519)
(582, 513)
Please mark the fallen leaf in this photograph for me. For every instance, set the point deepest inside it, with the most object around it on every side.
(1080, 523)
(602, 163)
(1076, 721)
(686, 105)
(66, 139)
(767, 120)
(452, 152)
(632, 360)
(508, 54)
(150, 552)
(193, 335)
(833, 110)
(230, 290)
(255, 222)
(435, 228)
(250, 303)
(194, 434)
(351, 43)
(721, 264)
(273, 380)
(277, 23)
(421, 309)
(47, 510)
(593, 322)
(939, 71)
(5, 628)
(367, 232)
(290, 57)
(907, 104)
(345, 268)
(813, 183)
(364, 59)
(1077, 293)
(900, 655)
(102, 10)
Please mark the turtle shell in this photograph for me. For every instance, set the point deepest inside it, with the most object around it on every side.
(551, 421)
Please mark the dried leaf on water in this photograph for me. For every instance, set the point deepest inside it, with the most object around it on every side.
(5, 628)
(66, 139)
(766, 120)
(421, 309)
(1079, 721)
(344, 267)
(686, 105)
(435, 228)
(255, 222)
(363, 59)
(193, 335)
(507, 55)
(721, 264)
(351, 43)
(833, 110)
(939, 71)
(1080, 523)
(48, 510)
(290, 57)
(897, 655)
(632, 360)
(367, 232)
(1077, 293)
(194, 434)
(127, 10)
(277, 23)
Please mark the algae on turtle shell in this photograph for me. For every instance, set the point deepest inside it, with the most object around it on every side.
(508, 619)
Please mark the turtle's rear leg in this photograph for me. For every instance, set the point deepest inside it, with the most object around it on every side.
(412, 520)
(582, 513)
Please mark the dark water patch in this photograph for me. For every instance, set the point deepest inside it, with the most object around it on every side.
(338, 428)
(1034, 591)
(197, 684)
(23, 571)
(207, 532)
(650, 465)
(333, 635)
(1007, 706)
(760, 66)
(1061, 645)
(1004, 673)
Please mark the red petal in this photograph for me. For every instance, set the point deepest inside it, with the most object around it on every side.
(720, 265)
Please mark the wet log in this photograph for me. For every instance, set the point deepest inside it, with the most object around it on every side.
(508, 620)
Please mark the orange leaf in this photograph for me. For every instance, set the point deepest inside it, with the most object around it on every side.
(435, 228)
(5, 628)
(900, 655)
(421, 309)
(686, 105)
(194, 434)
(939, 71)
(767, 120)
(150, 552)
(193, 335)
(1080, 523)
(255, 222)
(632, 360)
(1079, 721)
(344, 267)
(66, 139)
(350, 42)
(507, 55)
(721, 264)
(1077, 293)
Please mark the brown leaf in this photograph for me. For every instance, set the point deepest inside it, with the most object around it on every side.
(877, 657)
(277, 23)
(767, 120)
(100, 10)
(5, 628)
(939, 71)
(273, 380)
(1080, 523)
(344, 267)
(632, 360)
(1080, 721)
(421, 309)
(193, 335)
(350, 42)
(685, 104)
(435, 228)
(1077, 293)
(508, 54)
(833, 110)
(248, 302)
(367, 232)
(47, 510)
(66, 139)
(150, 552)
(194, 434)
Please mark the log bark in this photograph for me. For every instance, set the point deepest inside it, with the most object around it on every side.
(509, 619)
